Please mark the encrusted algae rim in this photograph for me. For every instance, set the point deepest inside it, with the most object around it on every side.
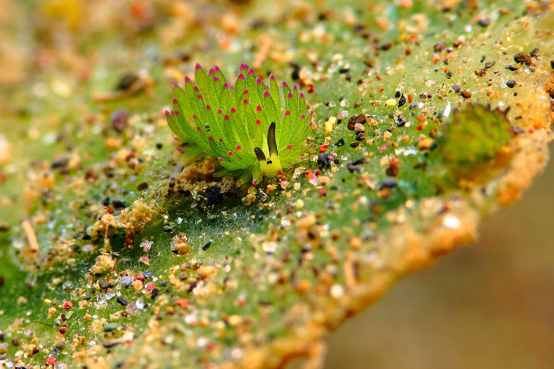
(422, 250)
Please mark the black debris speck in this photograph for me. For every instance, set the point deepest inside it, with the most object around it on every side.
(340, 142)
(119, 202)
(511, 83)
(485, 22)
(389, 183)
(60, 162)
(353, 166)
(401, 121)
(402, 101)
(127, 81)
(213, 195)
(511, 68)
(456, 88)
(106, 201)
(122, 301)
(155, 293)
(323, 161)
(206, 246)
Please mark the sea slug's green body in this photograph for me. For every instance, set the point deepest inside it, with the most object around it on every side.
(254, 130)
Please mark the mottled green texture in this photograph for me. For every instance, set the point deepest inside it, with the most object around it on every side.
(475, 134)
(274, 266)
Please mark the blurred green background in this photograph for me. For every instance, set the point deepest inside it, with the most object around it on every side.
(489, 305)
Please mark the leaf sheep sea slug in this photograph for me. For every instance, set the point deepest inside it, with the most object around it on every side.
(252, 129)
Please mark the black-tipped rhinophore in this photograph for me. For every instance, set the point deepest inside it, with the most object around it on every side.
(260, 154)
(271, 142)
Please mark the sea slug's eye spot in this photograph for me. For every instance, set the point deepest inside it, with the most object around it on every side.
(246, 92)
(258, 108)
(212, 71)
(266, 94)
(250, 71)
(287, 112)
(176, 112)
(220, 159)
(187, 79)
(233, 110)
(196, 89)
(226, 85)
(200, 96)
(258, 121)
(239, 147)
(245, 101)
(289, 96)
(241, 76)
(198, 67)
(230, 153)
(220, 140)
(216, 79)
(284, 84)
(198, 129)
(258, 81)
(289, 147)
(226, 117)
(220, 111)
(210, 138)
(302, 116)
(208, 107)
(254, 182)
(175, 101)
(301, 95)
(279, 172)
(166, 113)
(272, 77)
(194, 116)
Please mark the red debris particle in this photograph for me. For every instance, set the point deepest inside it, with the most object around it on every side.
(149, 286)
(51, 361)
(67, 305)
(322, 148)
